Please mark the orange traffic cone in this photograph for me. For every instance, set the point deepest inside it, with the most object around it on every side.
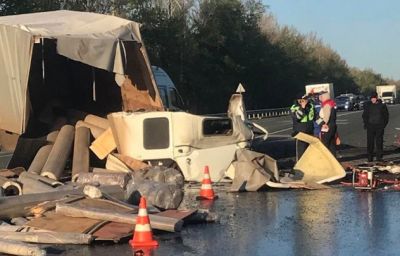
(143, 237)
(206, 190)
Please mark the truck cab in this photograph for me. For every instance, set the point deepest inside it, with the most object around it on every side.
(387, 93)
(388, 97)
(170, 96)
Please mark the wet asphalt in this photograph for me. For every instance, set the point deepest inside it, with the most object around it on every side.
(336, 221)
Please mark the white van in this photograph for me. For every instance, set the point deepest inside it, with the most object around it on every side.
(170, 96)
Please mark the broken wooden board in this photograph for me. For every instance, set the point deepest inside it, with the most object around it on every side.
(41, 208)
(132, 163)
(113, 231)
(157, 222)
(104, 144)
(59, 223)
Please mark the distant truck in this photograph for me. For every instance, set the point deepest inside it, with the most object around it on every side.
(169, 95)
(387, 93)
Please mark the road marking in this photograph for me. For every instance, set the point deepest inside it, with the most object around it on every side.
(353, 112)
(283, 130)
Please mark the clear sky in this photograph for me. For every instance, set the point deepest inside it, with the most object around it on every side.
(366, 33)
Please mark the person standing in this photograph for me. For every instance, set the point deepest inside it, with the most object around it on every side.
(303, 114)
(375, 117)
(327, 122)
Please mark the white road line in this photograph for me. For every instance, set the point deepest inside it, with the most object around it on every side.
(339, 122)
(345, 114)
(283, 130)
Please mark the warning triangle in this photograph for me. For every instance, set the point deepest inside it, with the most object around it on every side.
(240, 88)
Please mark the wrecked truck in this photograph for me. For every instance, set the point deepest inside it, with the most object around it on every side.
(60, 66)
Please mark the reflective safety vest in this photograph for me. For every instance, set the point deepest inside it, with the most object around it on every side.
(303, 116)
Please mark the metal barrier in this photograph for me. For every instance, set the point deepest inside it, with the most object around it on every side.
(261, 113)
(267, 113)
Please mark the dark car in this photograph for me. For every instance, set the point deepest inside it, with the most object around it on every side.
(344, 103)
(361, 101)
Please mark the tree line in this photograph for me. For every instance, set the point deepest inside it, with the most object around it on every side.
(208, 47)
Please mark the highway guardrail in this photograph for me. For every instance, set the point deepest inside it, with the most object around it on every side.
(262, 113)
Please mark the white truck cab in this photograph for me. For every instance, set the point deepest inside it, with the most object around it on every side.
(191, 141)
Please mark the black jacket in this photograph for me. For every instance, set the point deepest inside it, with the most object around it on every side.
(375, 115)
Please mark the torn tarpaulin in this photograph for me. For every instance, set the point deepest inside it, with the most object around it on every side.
(251, 170)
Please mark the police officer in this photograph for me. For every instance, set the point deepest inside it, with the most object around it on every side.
(303, 113)
(375, 117)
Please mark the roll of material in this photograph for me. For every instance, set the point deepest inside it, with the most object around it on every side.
(96, 131)
(40, 159)
(55, 164)
(161, 195)
(10, 187)
(80, 162)
(20, 248)
(51, 137)
(33, 183)
(104, 178)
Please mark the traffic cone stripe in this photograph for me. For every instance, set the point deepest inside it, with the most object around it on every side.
(142, 212)
(206, 176)
(141, 220)
(206, 186)
(142, 228)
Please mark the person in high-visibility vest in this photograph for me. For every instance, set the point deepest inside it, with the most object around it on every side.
(303, 113)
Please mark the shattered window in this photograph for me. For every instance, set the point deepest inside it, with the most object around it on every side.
(221, 126)
(156, 133)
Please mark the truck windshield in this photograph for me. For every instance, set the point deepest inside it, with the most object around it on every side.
(387, 94)
(176, 99)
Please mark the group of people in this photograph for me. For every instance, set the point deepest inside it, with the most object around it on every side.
(306, 117)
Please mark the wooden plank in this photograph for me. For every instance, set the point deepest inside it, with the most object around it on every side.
(157, 222)
(104, 144)
(61, 223)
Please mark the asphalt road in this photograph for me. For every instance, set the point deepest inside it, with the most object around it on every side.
(336, 221)
(350, 127)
